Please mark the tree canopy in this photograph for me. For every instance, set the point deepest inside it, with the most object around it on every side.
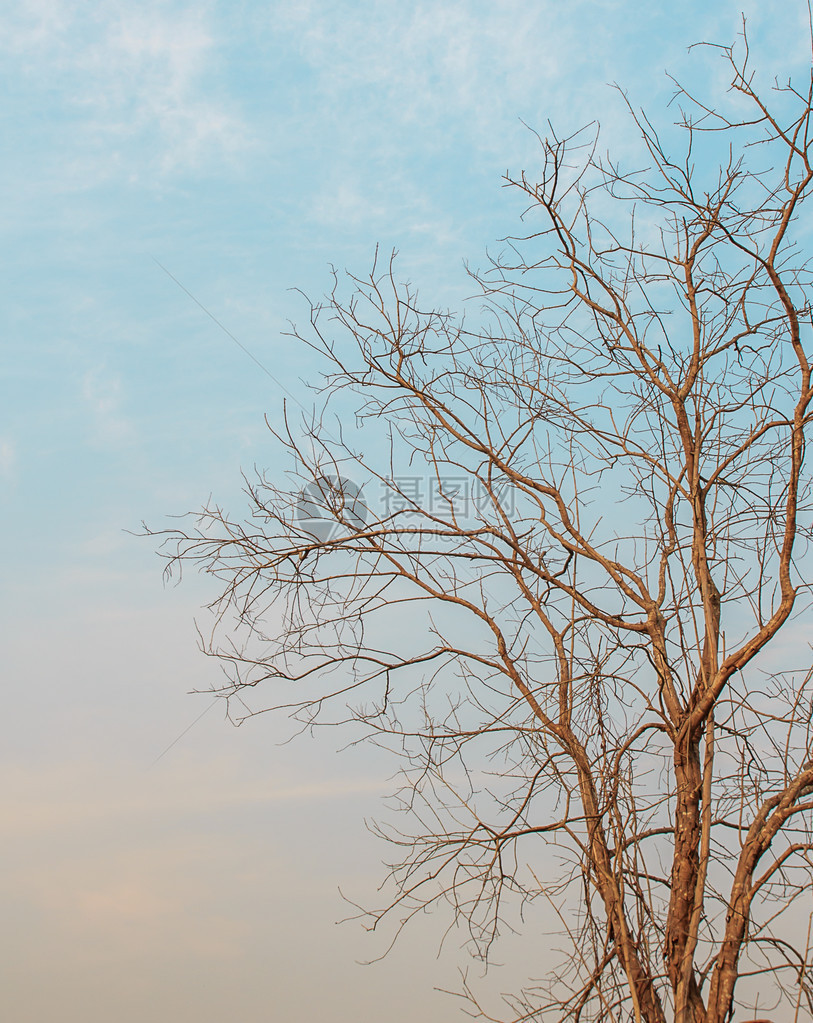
(567, 577)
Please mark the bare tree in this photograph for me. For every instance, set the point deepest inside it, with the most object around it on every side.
(580, 637)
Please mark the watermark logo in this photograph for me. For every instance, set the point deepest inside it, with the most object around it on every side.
(329, 505)
(462, 496)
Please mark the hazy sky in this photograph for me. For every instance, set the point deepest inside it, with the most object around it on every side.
(246, 146)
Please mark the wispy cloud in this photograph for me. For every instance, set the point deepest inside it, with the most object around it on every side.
(128, 73)
(433, 66)
(50, 799)
(138, 850)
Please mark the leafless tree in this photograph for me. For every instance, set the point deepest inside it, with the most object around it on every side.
(581, 636)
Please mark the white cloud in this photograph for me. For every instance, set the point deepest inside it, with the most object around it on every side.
(135, 73)
(35, 24)
(436, 58)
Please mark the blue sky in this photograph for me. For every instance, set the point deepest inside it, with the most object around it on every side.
(247, 147)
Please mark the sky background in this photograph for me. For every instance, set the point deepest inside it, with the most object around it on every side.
(246, 147)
